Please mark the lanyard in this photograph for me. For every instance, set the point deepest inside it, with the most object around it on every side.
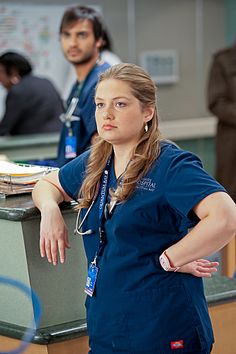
(77, 93)
(68, 116)
(102, 203)
(102, 190)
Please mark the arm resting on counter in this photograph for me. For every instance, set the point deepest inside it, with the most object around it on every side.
(47, 195)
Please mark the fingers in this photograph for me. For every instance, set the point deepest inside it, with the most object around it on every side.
(207, 262)
(54, 252)
(210, 266)
(205, 269)
(50, 249)
(203, 275)
(201, 268)
(42, 247)
(61, 249)
(208, 270)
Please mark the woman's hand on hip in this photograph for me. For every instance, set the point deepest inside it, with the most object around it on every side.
(202, 268)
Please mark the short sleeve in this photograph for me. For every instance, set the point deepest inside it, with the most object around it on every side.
(187, 183)
(72, 174)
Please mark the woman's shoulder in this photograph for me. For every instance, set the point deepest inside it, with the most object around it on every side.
(72, 174)
(170, 150)
(77, 164)
(172, 156)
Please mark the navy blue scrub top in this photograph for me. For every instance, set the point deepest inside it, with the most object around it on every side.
(85, 126)
(138, 307)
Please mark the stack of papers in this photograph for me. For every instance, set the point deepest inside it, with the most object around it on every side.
(18, 178)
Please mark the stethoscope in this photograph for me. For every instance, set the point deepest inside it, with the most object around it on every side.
(108, 212)
(105, 209)
(78, 225)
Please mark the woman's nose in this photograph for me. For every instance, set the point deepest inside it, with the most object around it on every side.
(107, 114)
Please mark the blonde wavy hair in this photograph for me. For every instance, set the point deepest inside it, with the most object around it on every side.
(148, 146)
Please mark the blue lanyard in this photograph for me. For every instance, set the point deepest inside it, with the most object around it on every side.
(103, 199)
(102, 202)
(104, 190)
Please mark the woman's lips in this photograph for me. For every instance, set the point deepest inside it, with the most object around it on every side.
(108, 127)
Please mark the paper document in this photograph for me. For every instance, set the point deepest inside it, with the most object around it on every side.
(18, 178)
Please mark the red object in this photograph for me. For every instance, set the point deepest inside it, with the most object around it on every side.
(178, 344)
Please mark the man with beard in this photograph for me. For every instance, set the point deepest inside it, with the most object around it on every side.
(81, 33)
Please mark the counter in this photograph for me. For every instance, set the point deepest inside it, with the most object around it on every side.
(44, 146)
(29, 147)
(60, 288)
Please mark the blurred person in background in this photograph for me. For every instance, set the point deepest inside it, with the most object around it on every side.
(81, 37)
(106, 54)
(33, 104)
(222, 103)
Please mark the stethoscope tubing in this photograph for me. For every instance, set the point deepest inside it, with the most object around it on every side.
(79, 225)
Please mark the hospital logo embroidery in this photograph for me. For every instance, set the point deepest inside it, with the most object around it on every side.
(146, 184)
(178, 344)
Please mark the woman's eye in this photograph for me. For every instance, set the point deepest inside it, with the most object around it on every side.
(99, 105)
(120, 104)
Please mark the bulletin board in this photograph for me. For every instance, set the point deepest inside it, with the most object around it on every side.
(33, 30)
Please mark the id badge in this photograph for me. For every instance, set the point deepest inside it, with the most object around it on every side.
(70, 148)
(91, 280)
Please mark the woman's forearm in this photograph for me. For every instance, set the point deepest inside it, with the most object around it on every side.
(45, 193)
(203, 240)
(215, 229)
(48, 191)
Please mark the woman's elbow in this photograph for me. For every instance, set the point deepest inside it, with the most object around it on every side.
(227, 218)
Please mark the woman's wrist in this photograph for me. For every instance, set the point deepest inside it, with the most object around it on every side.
(166, 263)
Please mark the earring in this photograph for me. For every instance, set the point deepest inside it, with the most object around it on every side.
(146, 128)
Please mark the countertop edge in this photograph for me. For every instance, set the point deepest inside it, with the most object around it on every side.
(47, 335)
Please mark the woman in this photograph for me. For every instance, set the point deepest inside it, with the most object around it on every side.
(149, 213)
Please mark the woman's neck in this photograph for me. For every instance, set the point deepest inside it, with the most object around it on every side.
(121, 160)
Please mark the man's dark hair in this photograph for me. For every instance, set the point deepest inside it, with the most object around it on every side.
(107, 43)
(13, 61)
(77, 13)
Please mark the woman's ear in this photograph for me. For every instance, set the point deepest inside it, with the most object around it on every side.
(149, 113)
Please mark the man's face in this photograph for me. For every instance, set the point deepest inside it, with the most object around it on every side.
(5, 79)
(79, 44)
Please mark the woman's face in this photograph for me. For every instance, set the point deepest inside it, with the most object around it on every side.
(119, 116)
